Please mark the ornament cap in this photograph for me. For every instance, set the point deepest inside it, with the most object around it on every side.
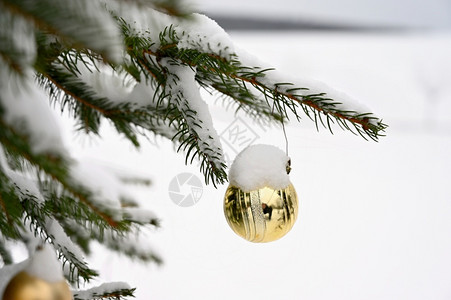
(288, 167)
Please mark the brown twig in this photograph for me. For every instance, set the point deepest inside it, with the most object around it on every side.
(79, 99)
(2, 204)
(364, 122)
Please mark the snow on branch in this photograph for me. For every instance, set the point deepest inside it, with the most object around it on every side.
(24, 109)
(79, 23)
(5, 254)
(17, 41)
(107, 192)
(104, 189)
(140, 215)
(40, 222)
(111, 290)
(199, 132)
(315, 98)
(197, 32)
(234, 74)
(125, 99)
(91, 91)
(132, 243)
(138, 64)
(10, 208)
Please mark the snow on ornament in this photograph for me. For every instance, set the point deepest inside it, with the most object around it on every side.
(260, 204)
(41, 279)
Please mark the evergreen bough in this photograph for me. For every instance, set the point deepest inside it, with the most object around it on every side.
(61, 47)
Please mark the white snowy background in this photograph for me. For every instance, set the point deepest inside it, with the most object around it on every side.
(374, 219)
(412, 13)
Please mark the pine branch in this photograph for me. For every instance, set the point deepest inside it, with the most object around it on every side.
(42, 224)
(64, 41)
(18, 146)
(196, 133)
(17, 55)
(253, 105)
(5, 254)
(231, 78)
(128, 245)
(63, 206)
(285, 95)
(56, 168)
(139, 216)
(68, 90)
(189, 124)
(10, 208)
(319, 104)
(79, 23)
(41, 218)
(60, 77)
(120, 242)
(113, 291)
(133, 179)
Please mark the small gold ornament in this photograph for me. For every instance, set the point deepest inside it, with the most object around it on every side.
(261, 215)
(26, 287)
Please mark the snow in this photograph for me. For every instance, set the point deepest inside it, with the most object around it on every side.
(198, 32)
(204, 34)
(45, 265)
(27, 111)
(108, 190)
(309, 86)
(141, 18)
(3, 161)
(374, 217)
(103, 289)
(118, 87)
(62, 240)
(26, 185)
(138, 214)
(260, 166)
(182, 83)
(22, 38)
(108, 37)
(8, 272)
(136, 243)
(434, 14)
(107, 83)
(105, 187)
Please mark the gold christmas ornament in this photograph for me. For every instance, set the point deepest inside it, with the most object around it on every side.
(261, 215)
(27, 287)
(40, 279)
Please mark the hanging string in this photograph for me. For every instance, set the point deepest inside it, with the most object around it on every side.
(286, 138)
(283, 126)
